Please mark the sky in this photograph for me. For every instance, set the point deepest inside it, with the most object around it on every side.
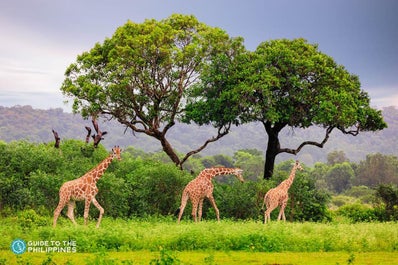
(39, 39)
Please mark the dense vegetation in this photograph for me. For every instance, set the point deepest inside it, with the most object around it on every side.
(139, 241)
(141, 192)
(151, 233)
(143, 184)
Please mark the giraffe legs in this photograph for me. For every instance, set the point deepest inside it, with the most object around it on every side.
(57, 211)
(213, 203)
(282, 212)
(71, 208)
(200, 209)
(180, 210)
(194, 210)
(267, 215)
(197, 207)
(101, 210)
(86, 210)
(268, 211)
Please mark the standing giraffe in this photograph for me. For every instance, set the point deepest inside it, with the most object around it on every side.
(279, 196)
(84, 188)
(201, 187)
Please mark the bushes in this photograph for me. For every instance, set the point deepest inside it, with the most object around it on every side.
(114, 196)
(358, 213)
(29, 219)
(139, 185)
(155, 188)
(388, 194)
(237, 200)
(31, 174)
(143, 184)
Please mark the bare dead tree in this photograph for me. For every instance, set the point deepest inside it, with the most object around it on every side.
(57, 139)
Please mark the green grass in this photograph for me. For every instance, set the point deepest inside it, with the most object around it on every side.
(203, 257)
(139, 241)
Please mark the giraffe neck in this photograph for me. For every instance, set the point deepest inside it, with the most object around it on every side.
(288, 182)
(218, 171)
(99, 170)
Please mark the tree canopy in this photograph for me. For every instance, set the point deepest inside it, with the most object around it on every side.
(150, 75)
(142, 75)
(283, 83)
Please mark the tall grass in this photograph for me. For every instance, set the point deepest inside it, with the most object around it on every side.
(154, 233)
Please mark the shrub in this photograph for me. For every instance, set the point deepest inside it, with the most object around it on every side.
(236, 200)
(29, 219)
(388, 194)
(156, 188)
(357, 213)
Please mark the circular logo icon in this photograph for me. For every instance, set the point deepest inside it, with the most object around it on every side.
(18, 246)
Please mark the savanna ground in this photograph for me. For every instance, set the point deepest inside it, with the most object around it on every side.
(161, 241)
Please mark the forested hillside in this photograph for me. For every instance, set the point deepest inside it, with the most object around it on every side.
(24, 122)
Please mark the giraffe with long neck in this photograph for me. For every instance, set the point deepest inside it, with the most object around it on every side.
(84, 189)
(279, 196)
(202, 187)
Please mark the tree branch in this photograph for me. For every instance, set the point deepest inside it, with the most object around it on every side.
(222, 131)
(320, 145)
(352, 132)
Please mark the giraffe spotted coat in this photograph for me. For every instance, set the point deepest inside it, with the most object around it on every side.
(279, 196)
(84, 189)
(201, 187)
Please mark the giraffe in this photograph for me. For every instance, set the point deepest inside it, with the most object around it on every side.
(279, 196)
(201, 187)
(84, 188)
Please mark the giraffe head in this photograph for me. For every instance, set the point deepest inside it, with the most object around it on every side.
(116, 152)
(238, 173)
(298, 166)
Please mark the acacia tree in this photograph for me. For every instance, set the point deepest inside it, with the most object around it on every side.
(284, 83)
(142, 75)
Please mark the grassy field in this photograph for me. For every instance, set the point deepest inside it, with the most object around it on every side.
(203, 257)
(162, 241)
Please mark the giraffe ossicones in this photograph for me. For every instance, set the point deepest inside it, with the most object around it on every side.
(84, 189)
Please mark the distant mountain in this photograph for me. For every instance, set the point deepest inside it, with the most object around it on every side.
(24, 122)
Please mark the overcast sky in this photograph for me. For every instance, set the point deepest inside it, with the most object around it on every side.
(40, 38)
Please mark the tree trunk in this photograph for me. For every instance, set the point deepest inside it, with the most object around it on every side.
(273, 148)
(170, 151)
(270, 155)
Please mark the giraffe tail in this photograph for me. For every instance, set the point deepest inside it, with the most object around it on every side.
(184, 199)
(262, 207)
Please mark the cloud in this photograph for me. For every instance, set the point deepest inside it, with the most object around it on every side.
(31, 67)
(39, 41)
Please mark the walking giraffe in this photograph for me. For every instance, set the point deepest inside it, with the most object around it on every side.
(84, 189)
(201, 187)
(279, 196)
